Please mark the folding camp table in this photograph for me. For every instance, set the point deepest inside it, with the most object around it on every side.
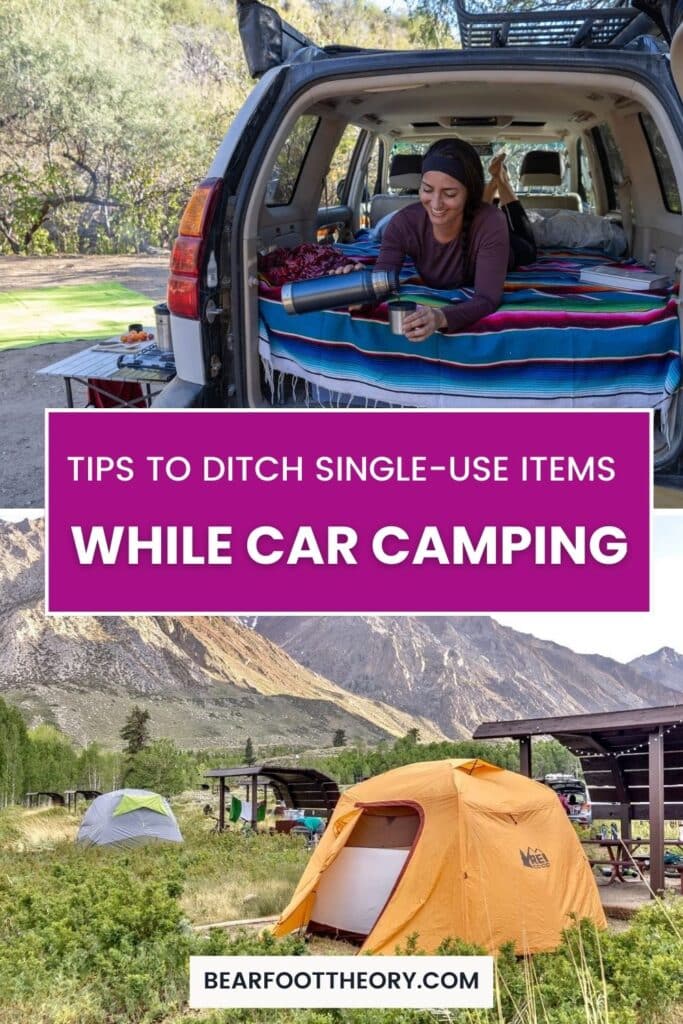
(97, 369)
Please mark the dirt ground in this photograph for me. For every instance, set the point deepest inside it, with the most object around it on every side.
(25, 393)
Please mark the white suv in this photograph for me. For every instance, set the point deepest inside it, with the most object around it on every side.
(576, 794)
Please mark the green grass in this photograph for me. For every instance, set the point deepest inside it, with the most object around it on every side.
(91, 311)
(103, 936)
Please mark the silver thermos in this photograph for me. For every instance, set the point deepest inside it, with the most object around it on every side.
(356, 288)
(162, 316)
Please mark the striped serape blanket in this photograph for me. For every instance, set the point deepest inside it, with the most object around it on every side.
(553, 342)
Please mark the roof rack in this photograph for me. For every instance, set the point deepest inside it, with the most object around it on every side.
(590, 26)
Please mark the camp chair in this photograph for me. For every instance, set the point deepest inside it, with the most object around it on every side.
(115, 394)
(310, 837)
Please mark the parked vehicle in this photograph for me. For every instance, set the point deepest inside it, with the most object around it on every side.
(575, 793)
(311, 158)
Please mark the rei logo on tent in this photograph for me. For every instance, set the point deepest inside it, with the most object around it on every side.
(534, 858)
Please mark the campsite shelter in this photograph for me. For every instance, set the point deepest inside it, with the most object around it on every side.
(128, 817)
(446, 848)
(295, 787)
(69, 798)
(72, 795)
(632, 763)
(45, 797)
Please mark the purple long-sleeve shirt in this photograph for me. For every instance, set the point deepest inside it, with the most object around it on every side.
(441, 265)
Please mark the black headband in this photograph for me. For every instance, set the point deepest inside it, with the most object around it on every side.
(450, 165)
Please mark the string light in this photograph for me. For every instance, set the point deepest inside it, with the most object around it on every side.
(628, 750)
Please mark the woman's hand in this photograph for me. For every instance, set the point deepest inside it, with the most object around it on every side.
(423, 323)
(348, 268)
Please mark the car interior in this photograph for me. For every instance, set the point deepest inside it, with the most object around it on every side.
(612, 134)
(593, 145)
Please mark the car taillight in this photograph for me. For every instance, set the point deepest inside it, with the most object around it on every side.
(188, 250)
(185, 255)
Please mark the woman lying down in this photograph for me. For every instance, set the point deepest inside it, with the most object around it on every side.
(456, 237)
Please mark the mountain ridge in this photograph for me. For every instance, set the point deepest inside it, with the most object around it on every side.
(207, 681)
(464, 669)
(213, 681)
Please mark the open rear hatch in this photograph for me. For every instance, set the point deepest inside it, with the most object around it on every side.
(268, 40)
(592, 26)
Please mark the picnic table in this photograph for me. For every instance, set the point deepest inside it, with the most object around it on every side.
(626, 855)
(97, 368)
(622, 855)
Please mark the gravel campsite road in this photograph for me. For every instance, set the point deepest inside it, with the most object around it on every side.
(25, 393)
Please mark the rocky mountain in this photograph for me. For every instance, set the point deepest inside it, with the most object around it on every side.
(463, 670)
(292, 680)
(21, 561)
(206, 681)
(665, 665)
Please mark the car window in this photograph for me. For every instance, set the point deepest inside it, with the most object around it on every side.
(515, 153)
(289, 161)
(339, 165)
(660, 157)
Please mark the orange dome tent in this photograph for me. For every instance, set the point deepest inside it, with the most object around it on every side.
(446, 848)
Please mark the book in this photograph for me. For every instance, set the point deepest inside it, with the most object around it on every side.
(627, 278)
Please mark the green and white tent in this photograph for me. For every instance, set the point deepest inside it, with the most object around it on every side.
(128, 817)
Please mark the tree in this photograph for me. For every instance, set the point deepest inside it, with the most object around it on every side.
(249, 756)
(99, 154)
(99, 769)
(339, 738)
(52, 761)
(161, 766)
(77, 165)
(135, 731)
(14, 754)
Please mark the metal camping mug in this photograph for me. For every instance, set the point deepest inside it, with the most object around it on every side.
(398, 311)
(357, 287)
(163, 323)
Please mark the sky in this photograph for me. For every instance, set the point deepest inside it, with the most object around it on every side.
(15, 515)
(622, 636)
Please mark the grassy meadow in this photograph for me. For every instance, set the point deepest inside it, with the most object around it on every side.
(103, 937)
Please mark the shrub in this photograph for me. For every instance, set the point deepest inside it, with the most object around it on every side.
(100, 922)
(99, 937)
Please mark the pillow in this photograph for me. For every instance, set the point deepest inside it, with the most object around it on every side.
(573, 230)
